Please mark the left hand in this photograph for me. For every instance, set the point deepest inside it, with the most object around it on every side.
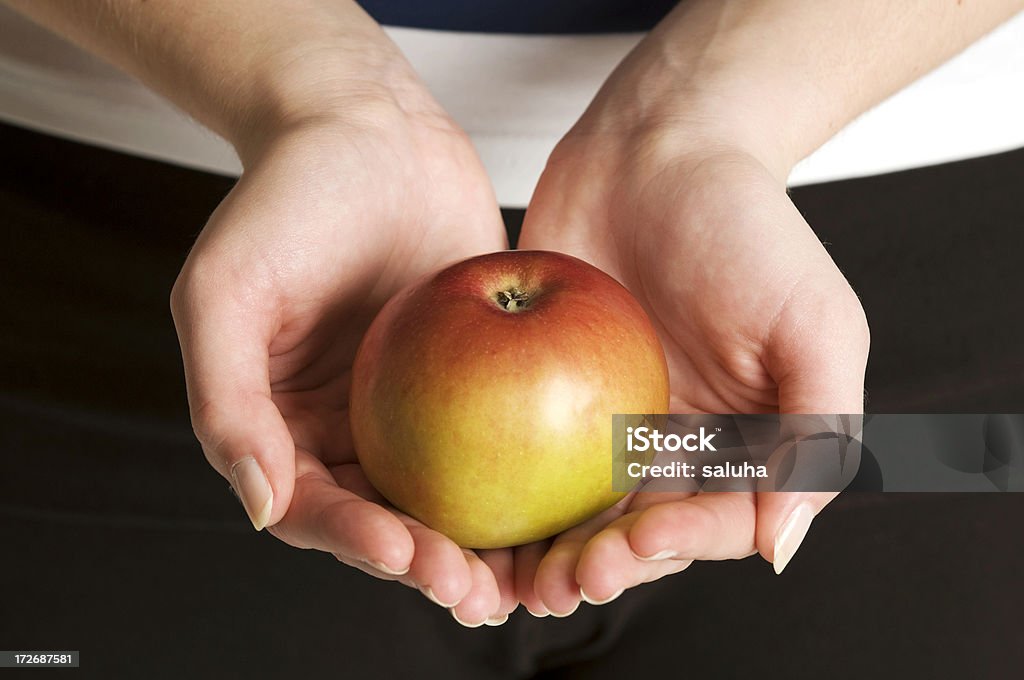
(752, 312)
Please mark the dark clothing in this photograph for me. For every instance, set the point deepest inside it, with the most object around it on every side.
(116, 538)
(521, 16)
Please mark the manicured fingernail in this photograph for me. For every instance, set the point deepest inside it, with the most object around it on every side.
(539, 615)
(463, 623)
(568, 613)
(497, 621)
(663, 555)
(254, 490)
(591, 600)
(428, 592)
(790, 535)
(380, 566)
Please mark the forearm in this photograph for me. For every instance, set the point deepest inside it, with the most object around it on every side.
(785, 75)
(234, 65)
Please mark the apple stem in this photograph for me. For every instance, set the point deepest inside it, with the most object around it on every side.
(513, 299)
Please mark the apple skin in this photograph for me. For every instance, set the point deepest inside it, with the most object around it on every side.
(493, 425)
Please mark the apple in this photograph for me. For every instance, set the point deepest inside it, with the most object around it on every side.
(482, 395)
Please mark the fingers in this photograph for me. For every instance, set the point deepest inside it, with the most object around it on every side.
(782, 523)
(708, 526)
(482, 603)
(439, 568)
(664, 539)
(502, 565)
(446, 574)
(242, 432)
(555, 584)
(817, 353)
(527, 560)
(607, 565)
(477, 589)
(818, 357)
(324, 516)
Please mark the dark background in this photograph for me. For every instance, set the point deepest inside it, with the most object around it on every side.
(117, 540)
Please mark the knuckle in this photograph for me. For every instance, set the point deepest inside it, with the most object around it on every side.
(856, 321)
(840, 316)
(177, 298)
(184, 290)
(208, 423)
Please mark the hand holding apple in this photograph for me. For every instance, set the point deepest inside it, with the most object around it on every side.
(336, 211)
(482, 396)
(753, 314)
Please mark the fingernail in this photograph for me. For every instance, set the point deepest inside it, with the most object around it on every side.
(538, 615)
(463, 623)
(790, 535)
(663, 555)
(254, 490)
(428, 592)
(496, 621)
(591, 600)
(380, 566)
(568, 613)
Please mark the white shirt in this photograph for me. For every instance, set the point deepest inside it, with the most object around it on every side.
(516, 95)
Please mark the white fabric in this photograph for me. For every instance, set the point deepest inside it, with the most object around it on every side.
(516, 95)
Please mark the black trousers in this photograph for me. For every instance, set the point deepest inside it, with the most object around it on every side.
(117, 540)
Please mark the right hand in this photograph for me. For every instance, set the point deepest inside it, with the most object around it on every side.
(335, 212)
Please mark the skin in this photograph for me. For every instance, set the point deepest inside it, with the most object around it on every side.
(356, 182)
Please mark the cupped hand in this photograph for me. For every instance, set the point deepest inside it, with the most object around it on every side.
(333, 215)
(753, 315)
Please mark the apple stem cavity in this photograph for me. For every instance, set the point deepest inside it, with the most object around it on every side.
(512, 300)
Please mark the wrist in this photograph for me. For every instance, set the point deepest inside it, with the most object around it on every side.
(779, 78)
(698, 107)
(372, 86)
(734, 76)
(243, 69)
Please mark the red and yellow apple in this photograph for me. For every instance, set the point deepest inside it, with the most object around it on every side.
(482, 395)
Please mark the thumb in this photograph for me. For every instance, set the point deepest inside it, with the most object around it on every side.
(818, 360)
(242, 432)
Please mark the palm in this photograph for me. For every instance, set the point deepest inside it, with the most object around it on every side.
(349, 243)
(704, 250)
